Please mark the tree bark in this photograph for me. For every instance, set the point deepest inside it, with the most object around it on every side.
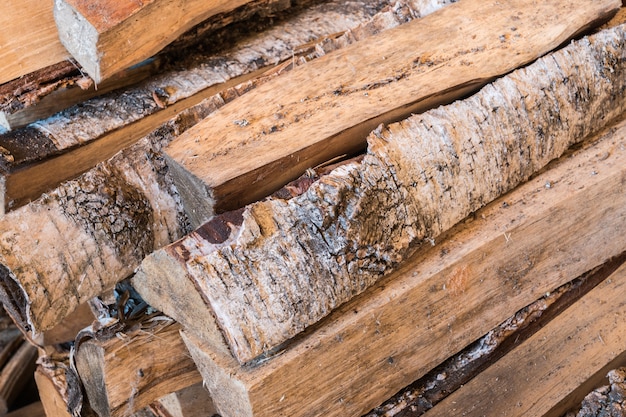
(284, 265)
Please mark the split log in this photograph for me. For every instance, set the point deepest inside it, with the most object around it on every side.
(58, 399)
(28, 37)
(192, 401)
(442, 299)
(280, 266)
(117, 35)
(15, 374)
(32, 410)
(564, 360)
(135, 112)
(125, 368)
(251, 147)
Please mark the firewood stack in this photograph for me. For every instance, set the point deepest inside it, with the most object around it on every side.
(313, 208)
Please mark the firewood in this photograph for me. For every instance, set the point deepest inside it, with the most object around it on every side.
(510, 253)
(280, 266)
(15, 374)
(32, 410)
(125, 368)
(135, 112)
(28, 37)
(192, 401)
(254, 145)
(116, 35)
(571, 353)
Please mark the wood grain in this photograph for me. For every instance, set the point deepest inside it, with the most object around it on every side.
(582, 343)
(283, 265)
(252, 147)
(507, 255)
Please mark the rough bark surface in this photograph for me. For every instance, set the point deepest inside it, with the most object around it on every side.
(290, 263)
(608, 400)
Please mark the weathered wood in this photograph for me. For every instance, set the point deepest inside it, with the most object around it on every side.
(28, 37)
(192, 401)
(15, 374)
(280, 265)
(134, 112)
(442, 299)
(125, 368)
(251, 147)
(118, 34)
(575, 347)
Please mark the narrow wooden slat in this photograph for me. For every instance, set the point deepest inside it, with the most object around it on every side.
(507, 255)
(582, 343)
(250, 148)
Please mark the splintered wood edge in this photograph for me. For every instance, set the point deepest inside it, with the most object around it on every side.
(332, 353)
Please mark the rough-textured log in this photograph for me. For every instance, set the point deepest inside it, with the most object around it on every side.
(576, 349)
(251, 147)
(507, 255)
(280, 266)
(134, 112)
(125, 368)
(28, 37)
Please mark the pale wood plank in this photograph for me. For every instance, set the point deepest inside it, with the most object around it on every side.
(536, 377)
(28, 38)
(282, 265)
(507, 255)
(251, 147)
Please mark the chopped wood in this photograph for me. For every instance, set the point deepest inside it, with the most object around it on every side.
(251, 147)
(442, 299)
(283, 265)
(192, 401)
(607, 400)
(574, 350)
(119, 34)
(67, 329)
(28, 37)
(15, 374)
(125, 368)
(135, 112)
(58, 388)
(32, 410)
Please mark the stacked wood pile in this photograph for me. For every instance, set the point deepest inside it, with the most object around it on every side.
(305, 208)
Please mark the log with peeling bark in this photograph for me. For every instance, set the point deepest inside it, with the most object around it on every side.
(126, 367)
(507, 255)
(116, 35)
(254, 145)
(280, 266)
(566, 358)
(134, 112)
(58, 399)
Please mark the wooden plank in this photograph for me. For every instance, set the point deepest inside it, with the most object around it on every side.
(29, 38)
(31, 154)
(118, 34)
(250, 148)
(280, 266)
(507, 255)
(126, 368)
(538, 375)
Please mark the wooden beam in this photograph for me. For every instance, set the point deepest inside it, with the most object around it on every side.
(507, 255)
(118, 34)
(280, 266)
(250, 148)
(31, 154)
(126, 368)
(580, 345)
(28, 37)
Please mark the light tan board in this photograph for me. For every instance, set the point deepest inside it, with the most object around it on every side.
(124, 371)
(536, 377)
(528, 242)
(283, 265)
(254, 145)
(28, 38)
